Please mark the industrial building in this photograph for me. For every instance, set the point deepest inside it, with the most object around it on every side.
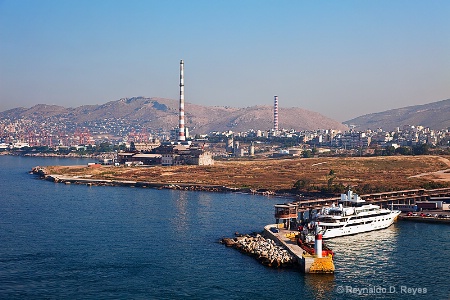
(179, 151)
(126, 158)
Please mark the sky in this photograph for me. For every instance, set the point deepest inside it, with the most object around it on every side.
(342, 59)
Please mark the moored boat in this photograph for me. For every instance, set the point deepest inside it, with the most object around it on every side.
(353, 216)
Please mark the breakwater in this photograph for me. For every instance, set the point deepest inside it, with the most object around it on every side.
(263, 249)
(307, 262)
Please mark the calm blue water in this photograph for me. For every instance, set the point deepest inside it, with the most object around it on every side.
(77, 242)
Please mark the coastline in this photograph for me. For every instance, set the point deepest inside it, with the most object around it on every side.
(42, 172)
(300, 178)
(69, 155)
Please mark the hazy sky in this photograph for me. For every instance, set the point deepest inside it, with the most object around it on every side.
(340, 58)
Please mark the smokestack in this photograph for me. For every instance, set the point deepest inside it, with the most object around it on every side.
(181, 136)
(275, 113)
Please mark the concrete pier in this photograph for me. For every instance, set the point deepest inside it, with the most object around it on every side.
(424, 219)
(307, 263)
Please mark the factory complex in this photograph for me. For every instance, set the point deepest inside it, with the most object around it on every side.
(170, 153)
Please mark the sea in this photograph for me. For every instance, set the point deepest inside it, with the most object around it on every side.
(61, 241)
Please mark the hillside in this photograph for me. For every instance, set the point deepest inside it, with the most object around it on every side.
(434, 115)
(159, 113)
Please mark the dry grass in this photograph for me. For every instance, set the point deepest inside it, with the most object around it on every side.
(392, 172)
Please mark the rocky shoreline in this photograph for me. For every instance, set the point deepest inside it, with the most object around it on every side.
(43, 173)
(263, 249)
(88, 180)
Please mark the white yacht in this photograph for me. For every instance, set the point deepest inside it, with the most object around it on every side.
(353, 216)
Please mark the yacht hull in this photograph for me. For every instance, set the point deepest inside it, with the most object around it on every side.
(370, 224)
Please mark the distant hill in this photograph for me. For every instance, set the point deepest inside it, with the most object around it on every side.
(434, 115)
(159, 113)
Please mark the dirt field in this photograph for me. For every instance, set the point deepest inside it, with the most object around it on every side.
(361, 173)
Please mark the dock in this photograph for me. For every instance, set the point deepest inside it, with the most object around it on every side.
(424, 219)
(385, 199)
(308, 263)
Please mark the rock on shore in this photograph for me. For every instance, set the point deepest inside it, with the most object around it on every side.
(264, 250)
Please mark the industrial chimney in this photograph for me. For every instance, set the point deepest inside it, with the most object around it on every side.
(181, 136)
(275, 113)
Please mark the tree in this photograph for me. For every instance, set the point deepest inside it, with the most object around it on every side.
(331, 177)
(120, 147)
(422, 149)
(339, 188)
(403, 150)
(104, 147)
(302, 184)
(307, 154)
(390, 150)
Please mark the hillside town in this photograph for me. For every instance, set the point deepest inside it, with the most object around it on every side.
(53, 135)
(120, 140)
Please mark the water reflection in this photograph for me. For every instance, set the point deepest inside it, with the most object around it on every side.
(180, 219)
(369, 240)
(321, 286)
(205, 209)
(205, 200)
(372, 252)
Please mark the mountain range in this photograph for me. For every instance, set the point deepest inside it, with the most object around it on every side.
(435, 115)
(159, 113)
(162, 114)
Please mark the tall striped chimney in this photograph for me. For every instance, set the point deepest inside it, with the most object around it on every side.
(181, 136)
(275, 113)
